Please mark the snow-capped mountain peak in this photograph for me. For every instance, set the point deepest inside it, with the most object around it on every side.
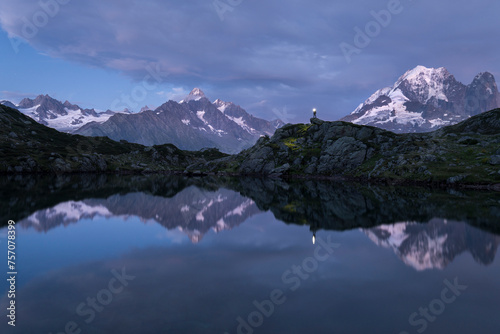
(426, 73)
(425, 82)
(195, 95)
(425, 99)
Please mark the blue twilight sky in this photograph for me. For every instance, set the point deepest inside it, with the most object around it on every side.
(274, 58)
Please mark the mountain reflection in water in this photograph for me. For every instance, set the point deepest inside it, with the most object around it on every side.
(193, 210)
(399, 218)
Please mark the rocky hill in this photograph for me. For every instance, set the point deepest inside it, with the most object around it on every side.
(468, 152)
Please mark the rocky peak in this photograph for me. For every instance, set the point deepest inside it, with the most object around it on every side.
(8, 104)
(422, 84)
(145, 108)
(195, 95)
(482, 94)
(486, 81)
(26, 103)
(222, 105)
(71, 106)
(48, 107)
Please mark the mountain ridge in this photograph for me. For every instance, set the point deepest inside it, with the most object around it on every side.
(62, 116)
(194, 123)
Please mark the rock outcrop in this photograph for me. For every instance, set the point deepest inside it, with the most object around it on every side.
(466, 152)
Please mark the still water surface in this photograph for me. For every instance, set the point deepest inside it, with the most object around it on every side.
(106, 254)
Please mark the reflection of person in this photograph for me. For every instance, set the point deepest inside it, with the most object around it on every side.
(314, 113)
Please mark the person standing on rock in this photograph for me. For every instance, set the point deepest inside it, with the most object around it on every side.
(314, 113)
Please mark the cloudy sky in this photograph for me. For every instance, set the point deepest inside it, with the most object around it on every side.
(274, 58)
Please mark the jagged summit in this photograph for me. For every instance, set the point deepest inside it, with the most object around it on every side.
(44, 100)
(195, 95)
(145, 108)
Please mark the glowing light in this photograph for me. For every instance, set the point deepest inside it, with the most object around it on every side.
(314, 239)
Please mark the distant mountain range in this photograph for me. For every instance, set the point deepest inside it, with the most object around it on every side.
(65, 117)
(192, 124)
(426, 99)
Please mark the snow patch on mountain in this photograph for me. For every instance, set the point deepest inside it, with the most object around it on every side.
(200, 115)
(242, 124)
(241, 208)
(221, 105)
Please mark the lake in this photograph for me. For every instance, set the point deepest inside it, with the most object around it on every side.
(168, 254)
